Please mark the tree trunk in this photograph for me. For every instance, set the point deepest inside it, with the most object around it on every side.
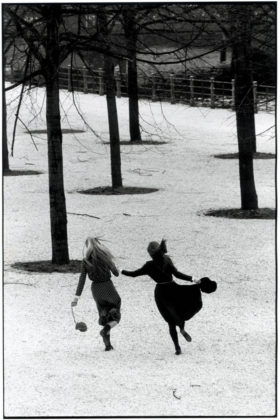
(58, 213)
(244, 103)
(113, 124)
(6, 166)
(132, 80)
(111, 103)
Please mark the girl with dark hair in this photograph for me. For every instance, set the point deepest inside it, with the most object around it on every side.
(176, 303)
(98, 265)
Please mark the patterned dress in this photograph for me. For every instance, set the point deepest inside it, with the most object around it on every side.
(104, 293)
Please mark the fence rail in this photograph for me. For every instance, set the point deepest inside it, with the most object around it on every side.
(168, 87)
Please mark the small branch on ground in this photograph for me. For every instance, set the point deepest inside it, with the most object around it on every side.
(174, 394)
(84, 214)
(24, 284)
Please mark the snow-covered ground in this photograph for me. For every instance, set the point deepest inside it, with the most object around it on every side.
(229, 367)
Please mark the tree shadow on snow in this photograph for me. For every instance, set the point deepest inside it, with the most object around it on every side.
(21, 172)
(74, 266)
(118, 191)
(264, 213)
(257, 155)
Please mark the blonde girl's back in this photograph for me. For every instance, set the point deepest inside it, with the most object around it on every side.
(98, 257)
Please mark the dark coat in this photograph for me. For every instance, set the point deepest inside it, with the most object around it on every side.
(104, 293)
(176, 303)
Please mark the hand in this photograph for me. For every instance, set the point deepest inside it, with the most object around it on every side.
(75, 301)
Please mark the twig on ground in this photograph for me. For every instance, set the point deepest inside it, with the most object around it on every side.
(24, 284)
(84, 214)
(174, 394)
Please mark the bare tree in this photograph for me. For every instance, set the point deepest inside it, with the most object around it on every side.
(141, 23)
(111, 102)
(131, 33)
(5, 152)
(242, 23)
(39, 28)
(8, 42)
(244, 102)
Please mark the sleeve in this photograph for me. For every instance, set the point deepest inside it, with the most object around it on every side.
(114, 269)
(140, 272)
(82, 279)
(177, 273)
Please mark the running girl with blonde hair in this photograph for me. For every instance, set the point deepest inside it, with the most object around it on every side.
(98, 265)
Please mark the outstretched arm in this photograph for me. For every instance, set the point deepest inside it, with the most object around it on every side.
(140, 272)
(181, 276)
(177, 273)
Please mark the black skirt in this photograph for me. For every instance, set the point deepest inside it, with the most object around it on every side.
(178, 303)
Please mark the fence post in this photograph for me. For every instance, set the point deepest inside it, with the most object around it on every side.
(70, 87)
(172, 93)
(212, 92)
(191, 91)
(118, 83)
(85, 79)
(101, 82)
(233, 94)
(154, 95)
(255, 85)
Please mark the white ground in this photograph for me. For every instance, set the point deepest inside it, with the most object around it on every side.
(229, 368)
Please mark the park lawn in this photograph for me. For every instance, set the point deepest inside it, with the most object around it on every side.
(50, 369)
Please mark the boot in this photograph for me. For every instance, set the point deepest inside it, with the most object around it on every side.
(178, 350)
(186, 335)
(105, 334)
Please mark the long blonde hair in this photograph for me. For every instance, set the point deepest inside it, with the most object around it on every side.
(97, 254)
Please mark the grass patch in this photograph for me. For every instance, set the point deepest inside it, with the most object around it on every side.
(257, 155)
(74, 266)
(117, 191)
(265, 213)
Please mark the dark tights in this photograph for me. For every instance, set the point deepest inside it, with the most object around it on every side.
(174, 335)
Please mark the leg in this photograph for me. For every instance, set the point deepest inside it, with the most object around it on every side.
(105, 334)
(184, 333)
(174, 336)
